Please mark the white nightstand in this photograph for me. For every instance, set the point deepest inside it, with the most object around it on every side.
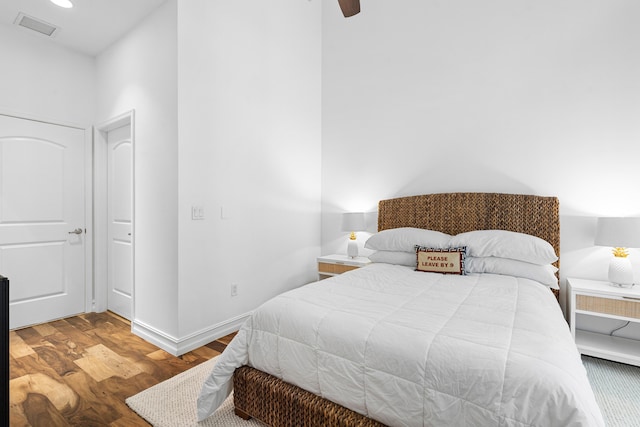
(332, 265)
(601, 299)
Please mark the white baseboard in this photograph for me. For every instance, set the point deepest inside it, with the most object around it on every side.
(178, 346)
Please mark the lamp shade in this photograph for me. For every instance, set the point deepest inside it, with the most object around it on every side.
(353, 221)
(622, 232)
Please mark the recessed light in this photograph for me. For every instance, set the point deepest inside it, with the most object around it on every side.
(63, 3)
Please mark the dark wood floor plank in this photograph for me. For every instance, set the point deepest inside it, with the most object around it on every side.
(59, 361)
(123, 389)
(23, 389)
(30, 336)
(95, 396)
(80, 323)
(217, 346)
(206, 353)
(88, 418)
(52, 369)
(16, 368)
(41, 412)
(70, 339)
(227, 338)
(29, 365)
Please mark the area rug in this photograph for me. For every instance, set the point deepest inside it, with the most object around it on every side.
(172, 403)
(617, 390)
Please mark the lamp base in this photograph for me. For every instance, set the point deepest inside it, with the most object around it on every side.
(352, 249)
(620, 272)
(618, 285)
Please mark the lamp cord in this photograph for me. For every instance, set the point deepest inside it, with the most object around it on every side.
(617, 329)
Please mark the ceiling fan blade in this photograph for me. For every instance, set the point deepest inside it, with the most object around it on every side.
(349, 7)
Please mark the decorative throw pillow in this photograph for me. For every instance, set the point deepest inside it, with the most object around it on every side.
(440, 260)
(405, 239)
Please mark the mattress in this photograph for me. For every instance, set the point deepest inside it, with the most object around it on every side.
(409, 348)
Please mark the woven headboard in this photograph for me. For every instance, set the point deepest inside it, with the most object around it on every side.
(455, 213)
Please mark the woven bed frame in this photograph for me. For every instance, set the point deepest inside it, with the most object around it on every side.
(276, 403)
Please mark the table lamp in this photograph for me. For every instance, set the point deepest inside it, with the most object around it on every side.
(619, 233)
(352, 222)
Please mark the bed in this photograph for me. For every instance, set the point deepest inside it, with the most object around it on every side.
(389, 345)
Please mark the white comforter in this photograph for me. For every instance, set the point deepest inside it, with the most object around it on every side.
(419, 349)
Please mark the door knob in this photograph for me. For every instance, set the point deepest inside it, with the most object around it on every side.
(76, 231)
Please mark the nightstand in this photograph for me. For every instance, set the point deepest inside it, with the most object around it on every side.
(332, 265)
(601, 299)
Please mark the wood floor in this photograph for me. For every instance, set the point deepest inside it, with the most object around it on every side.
(79, 371)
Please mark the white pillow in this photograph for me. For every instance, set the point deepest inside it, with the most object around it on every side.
(506, 244)
(544, 274)
(394, 257)
(406, 238)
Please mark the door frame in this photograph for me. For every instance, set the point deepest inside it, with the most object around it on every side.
(100, 217)
(88, 196)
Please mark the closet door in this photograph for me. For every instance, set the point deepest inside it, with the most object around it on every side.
(119, 206)
(42, 227)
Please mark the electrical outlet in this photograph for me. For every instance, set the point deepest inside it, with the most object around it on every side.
(234, 290)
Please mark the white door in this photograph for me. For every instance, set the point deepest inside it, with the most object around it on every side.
(42, 213)
(119, 204)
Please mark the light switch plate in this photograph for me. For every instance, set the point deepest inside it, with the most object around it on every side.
(226, 212)
(197, 212)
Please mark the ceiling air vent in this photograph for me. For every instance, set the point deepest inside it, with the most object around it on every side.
(34, 24)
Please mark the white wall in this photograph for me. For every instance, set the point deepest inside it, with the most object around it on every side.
(227, 102)
(249, 114)
(514, 96)
(140, 72)
(45, 81)
(506, 96)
